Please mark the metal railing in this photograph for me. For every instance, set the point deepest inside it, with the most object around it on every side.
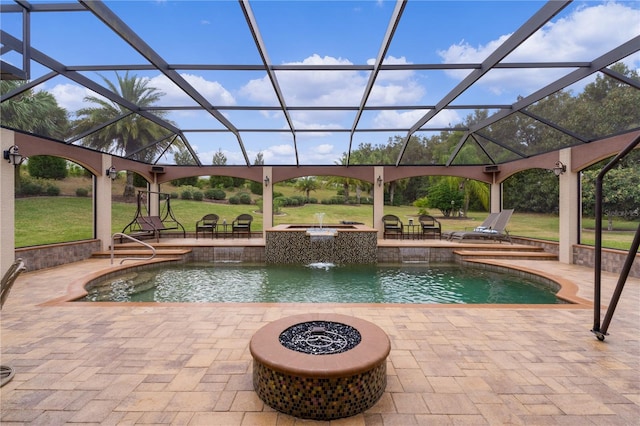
(121, 235)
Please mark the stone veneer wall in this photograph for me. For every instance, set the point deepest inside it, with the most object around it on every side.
(40, 257)
(415, 254)
(612, 260)
(250, 254)
(583, 255)
(548, 246)
(47, 256)
(297, 247)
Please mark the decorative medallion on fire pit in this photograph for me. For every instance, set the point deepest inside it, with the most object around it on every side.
(320, 337)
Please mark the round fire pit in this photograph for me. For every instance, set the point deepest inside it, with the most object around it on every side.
(320, 366)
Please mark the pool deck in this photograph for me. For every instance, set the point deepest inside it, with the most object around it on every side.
(189, 364)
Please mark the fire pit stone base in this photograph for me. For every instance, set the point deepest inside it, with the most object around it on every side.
(320, 387)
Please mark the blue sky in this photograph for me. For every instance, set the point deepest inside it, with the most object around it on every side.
(326, 32)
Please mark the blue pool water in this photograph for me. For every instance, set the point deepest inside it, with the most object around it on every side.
(321, 283)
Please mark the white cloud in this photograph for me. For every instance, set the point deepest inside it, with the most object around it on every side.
(320, 154)
(70, 96)
(324, 148)
(390, 119)
(213, 91)
(333, 88)
(587, 32)
(279, 154)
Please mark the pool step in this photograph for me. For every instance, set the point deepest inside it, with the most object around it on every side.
(535, 254)
(119, 252)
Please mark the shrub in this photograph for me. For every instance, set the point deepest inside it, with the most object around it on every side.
(190, 181)
(255, 187)
(52, 190)
(82, 192)
(234, 200)
(139, 181)
(218, 194)
(277, 205)
(186, 194)
(31, 188)
(300, 200)
(198, 195)
(47, 166)
(173, 195)
(244, 198)
(282, 201)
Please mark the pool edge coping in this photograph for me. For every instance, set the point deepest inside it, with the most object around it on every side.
(568, 291)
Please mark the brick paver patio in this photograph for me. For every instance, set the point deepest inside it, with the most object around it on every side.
(181, 364)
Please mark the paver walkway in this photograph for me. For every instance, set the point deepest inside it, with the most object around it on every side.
(190, 364)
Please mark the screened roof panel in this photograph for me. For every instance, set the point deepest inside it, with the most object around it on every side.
(324, 34)
(468, 37)
(311, 82)
(99, 44)
(191, 32)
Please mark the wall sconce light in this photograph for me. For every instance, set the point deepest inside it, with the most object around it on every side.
(379, 180)
(559, 168)
(266, 181)
(112, 173)
(13, 156)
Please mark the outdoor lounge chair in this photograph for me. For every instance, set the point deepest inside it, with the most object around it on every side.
(486, 224)
(242, 224)
(208, 223)
(430, 226)
(392, 226)
(497, 232)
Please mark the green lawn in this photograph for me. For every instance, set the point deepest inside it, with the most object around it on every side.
(47, 220)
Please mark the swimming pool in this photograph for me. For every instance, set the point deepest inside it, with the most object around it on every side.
(322, 283)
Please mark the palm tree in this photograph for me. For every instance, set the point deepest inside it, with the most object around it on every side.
(129, 135)
(33, 112)
(306, 185)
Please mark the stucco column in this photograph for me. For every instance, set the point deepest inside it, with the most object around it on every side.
(378, 200)
(154, 197)
(496, 196)
(267, 200)
(102, 203)
(7, 205)
(569, 209)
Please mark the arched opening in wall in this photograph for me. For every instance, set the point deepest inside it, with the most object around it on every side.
(326, 199)
(445, 203)
(621, 202)
(194, 197)
(53, 202)
(534, 196)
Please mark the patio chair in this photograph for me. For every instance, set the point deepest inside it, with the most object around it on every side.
(486, 224)
(430, 226)
(392, 226)
(497, 232)
(7, 372)
(242, 224)
(208, 223)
